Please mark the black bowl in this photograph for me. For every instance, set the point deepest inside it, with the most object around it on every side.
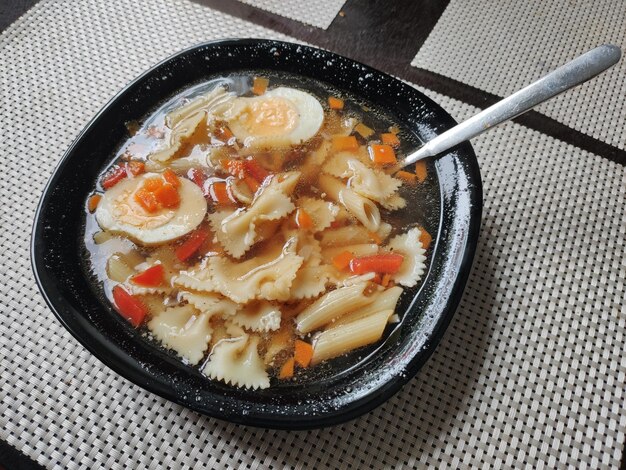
(58, 255)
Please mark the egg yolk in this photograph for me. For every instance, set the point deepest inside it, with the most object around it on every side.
(271, 116)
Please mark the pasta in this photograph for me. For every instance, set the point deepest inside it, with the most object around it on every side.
(247, 231)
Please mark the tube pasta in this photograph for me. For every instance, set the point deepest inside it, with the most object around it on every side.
(347, 337)
(385, 300)
(331, 305)
(362, 208)
(183, 330)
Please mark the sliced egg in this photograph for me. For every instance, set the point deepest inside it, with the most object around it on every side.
(119, 212)
(280, 118)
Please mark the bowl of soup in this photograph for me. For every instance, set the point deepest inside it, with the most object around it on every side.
(231, 233)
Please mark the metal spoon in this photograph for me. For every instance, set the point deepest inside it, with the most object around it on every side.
(572, 74)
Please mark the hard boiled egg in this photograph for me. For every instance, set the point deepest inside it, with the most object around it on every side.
(119, 212)
(280, 118)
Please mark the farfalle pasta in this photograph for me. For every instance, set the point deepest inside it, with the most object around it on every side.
(258, 231)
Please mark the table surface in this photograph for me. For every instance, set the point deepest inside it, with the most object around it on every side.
(531, 372)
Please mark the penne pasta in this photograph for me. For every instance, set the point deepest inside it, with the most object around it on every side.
(385, 300)
(347, 337)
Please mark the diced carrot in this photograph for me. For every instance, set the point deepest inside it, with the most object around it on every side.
(129, 306)
(407, 176)
(259, 85)
(420, 171)
(390, 139)
(382, 154)
(224, 134)
(167, 196)
(152, 184)
(376, 238)
(286, 371)
(381, 263)
(344, 142)
(303, 220)
(335, 103)
(193, 242)
(151, 277)
(237, 168)
(219, 193)
(385, 280)
(425, 238)
(303, 353)
(252, 183)
(93, 202)
(171, 178)
(342, 260)
(363, 130)
(147, 199)
(255, 170)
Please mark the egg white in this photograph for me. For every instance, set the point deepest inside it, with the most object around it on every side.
(118, 212)
(279, 118)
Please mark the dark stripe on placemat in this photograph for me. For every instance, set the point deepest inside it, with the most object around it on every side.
(387, 35)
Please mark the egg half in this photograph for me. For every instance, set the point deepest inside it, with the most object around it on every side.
(279, 118)
(119, 212)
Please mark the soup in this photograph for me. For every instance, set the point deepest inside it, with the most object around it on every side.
(256, 227)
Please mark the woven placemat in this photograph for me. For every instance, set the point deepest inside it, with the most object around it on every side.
(319, 13)
(503, 46)
(531, 370)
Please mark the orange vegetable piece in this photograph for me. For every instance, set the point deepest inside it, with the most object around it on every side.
(259, 85)
(303, 353)
(171, 177)
(219, 193)
(385, 280)
(93, 202)
(151, 277)
(382, 154)
(286, 371)
(363, 130)
(252, 183)
(147, 199)
(376, 238)
(136, 168)
(335, 103)
(407, 176)
(255, 170)
(129, 306)
(382, 263)
(344, 142)
(420, 171)
(303, 220)
(390, 139)
(342, 260)
(193, 242)
(167, 196)
(224, 134)
(425, 238)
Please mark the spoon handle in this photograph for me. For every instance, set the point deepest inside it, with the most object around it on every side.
(573, 73)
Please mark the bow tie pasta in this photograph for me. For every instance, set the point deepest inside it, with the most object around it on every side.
(255, 231)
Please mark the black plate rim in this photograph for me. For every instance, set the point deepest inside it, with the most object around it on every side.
(117, 360)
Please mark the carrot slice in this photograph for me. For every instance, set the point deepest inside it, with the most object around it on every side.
(259, 85)
(151, 277)
(197, 177)
(382, 154)
(237, 168)
(303, 353)
(286, 371)
(219, 193)
(192, 244)
(407, 176)
(363, 130)
(390, 139)
(93, 202)
(303, 220)
(335, 103)
(420, 171)
(224, 134)
(344, 142)
(385, 280)
(425, 238)
(255, 170)
(114, 176)
(167, 196)
(129, 306)
(342, 260)
(171, 178)
(382, 263)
